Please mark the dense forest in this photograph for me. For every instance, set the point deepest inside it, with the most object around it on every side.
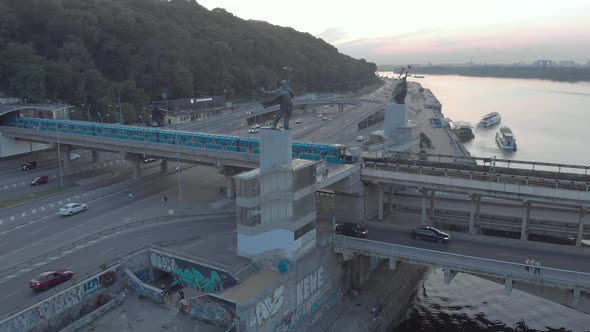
(563, 74)
(93, 52)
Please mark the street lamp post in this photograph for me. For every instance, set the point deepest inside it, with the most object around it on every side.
(61, 181)
(102, 117)
(177, 155)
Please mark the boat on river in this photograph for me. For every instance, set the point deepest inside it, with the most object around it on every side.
(489, 120)
(505, 139)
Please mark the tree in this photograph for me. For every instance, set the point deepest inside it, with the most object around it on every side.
(29, 83)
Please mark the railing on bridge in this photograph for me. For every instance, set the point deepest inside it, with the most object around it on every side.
(507, 163)
(554, 180)
(461, 263)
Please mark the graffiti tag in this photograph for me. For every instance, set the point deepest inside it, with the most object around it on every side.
(164, 263)
(194, 279)
(269, 306)
(310, 284)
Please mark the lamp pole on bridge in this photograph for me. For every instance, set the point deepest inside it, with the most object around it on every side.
(177, 142)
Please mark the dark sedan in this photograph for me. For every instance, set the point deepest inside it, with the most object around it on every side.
(351, 229)
(430, 234)
(48, 279)
(29, 165)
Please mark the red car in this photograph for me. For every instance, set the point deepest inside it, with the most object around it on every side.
(48, 279)
(40, 180)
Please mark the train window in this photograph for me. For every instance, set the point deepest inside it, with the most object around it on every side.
(77, 127)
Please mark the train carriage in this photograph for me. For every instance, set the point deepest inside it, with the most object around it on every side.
(334, 153)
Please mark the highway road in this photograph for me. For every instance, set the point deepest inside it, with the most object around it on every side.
(34, 227)
(86, 261)
(502, 249)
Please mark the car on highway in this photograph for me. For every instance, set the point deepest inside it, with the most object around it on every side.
(48, 279)
(351, 229)
(298, 121)
(72, 208)
(360, 138)
(253, 130)
(325, 118)
(429, 233)
(29, 165)
(155, 124)
(40, 180)
(149, 160)
(74, 156)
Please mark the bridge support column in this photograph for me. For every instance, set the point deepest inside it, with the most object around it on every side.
(95, 156)
(581, 224)
(230, 191)
(508, 286)
(391, 200)
(524, 228)
(423, 216)
(64, 155)
(393, 263)
(449, 275)
(381, 202)
(432, 194)
(135, 160)
(576, 297)
(474, 214)
(361, 270)
(164, 166)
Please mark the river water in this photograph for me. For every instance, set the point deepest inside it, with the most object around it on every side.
(551, 123)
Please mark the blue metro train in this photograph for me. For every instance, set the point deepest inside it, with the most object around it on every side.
(332, 153)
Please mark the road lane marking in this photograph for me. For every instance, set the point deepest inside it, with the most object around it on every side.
(39, 264)
(68, 252)
(14, 185)
(42, 208)
(34, 210)
(1, 221)
(104, 252)
(53, 258)
(12, 218)
(15, 292)
(51, 205)
(23, 214)
(5, 187)
(69, 199)
(59, 202)
(25, 270)
(22, 183)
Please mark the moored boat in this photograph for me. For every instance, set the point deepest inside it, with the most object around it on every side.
(505, 139)
(463, 130)
(489, 120)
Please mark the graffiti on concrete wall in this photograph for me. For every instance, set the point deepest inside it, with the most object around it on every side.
(270, 305)
(101, 281)
(56, 304)
(304, 319)
(309, 285)
(194, 279)
(163, 262)
(191, 274)
(143, 289)
(210, 308)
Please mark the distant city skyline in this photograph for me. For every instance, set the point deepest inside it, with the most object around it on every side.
(452, 31)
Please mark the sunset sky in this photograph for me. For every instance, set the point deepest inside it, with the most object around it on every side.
(443, 31)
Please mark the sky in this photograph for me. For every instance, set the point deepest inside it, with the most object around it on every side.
(434, 31)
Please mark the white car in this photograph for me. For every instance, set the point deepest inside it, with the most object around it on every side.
(72, 208)
(74, 156)
(360, 138)
(298, 121)
(325, 118)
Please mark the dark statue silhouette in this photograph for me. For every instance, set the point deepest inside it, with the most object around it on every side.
(401, 89)
(282, 96)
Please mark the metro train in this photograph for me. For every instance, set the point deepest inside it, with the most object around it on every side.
(332, 153)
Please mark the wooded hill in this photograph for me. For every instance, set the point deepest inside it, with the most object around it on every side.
(92, 51)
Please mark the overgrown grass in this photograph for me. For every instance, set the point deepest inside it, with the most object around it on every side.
(37, 194)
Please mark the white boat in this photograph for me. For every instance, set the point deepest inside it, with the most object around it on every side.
(505, 139)
(489, 120)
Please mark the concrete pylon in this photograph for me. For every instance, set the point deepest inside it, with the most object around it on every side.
(95, 156)
(524, 227)
(474, 214)
(64, 151)
(230, 191)
(164, 166)
(581, 223)
(423, 216)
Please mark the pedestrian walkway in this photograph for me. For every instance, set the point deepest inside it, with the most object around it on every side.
(144, 315)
